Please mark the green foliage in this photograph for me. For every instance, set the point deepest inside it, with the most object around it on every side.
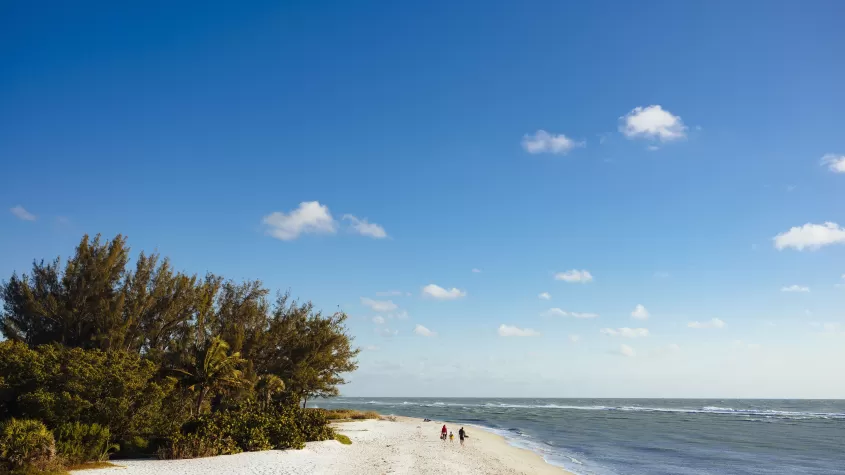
(348, 414)
(342, 439)
(161, 361)
(26, 444)
(78, 443)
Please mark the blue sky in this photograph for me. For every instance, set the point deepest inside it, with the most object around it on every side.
(659, 146)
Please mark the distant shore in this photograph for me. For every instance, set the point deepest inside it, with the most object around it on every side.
(408, 446)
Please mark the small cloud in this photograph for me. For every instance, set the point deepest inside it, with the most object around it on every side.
(476, 271)
(310, 218)
(625, 332)
(423, 331)
(378, 320)
(556, 312)
(807, 312)
(62, 220)
(379, 305)
(640, 313)
(386, 332)
(544, 296)
(627, 351)
(603, 137)
(795, 288)
(575, 276)
(834, 163)
(364, 228)
(544, 142)
(21, 213)
(574, 338)
(401, 315)
(741, 345)
(714, 323)
(810, 236)
(652, 148)
(652, 122)
(439, 293)
(507, 330)
(372, 348)
(791, 188)
(673, 348)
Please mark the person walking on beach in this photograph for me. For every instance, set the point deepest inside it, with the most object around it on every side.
(443, 432)
(451, 437)
(462, 434)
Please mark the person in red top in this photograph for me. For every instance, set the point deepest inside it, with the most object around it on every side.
(443, 432)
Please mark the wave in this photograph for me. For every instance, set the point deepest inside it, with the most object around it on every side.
(715, 410)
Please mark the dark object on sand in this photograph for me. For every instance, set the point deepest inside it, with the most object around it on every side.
(426, 420)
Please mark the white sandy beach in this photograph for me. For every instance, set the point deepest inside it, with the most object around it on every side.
(378, 447)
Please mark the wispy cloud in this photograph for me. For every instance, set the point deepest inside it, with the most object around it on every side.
(507, 330)
(652, 122)
(423, 331)
(21, 213)
(372, 348)
(365, 228)
(810, 236)
(574, 338)
(386, 332)
(834, 163)
(626, 350)
(544, 296)
(575, 276)
(379, 305)
(544, 142)
(640, 313)
(439, 293)
(795, 288)
(713, 323)
(625, 332)
(378, 320)
(392, 293)
(556, 312)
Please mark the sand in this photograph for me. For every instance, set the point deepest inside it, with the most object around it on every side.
(378, 447)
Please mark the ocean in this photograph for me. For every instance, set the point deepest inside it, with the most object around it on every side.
(649, 436)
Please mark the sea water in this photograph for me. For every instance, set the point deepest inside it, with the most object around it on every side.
(649, 436)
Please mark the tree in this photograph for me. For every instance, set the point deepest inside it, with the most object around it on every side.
(212, 370)
(267, 386)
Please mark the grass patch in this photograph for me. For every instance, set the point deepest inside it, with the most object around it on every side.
(342, 439)
(349, 415)
(90, 465)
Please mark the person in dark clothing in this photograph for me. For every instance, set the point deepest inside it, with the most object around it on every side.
(462, 434)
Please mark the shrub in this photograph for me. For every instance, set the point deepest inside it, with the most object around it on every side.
(348, 414)
(26, 445)
(314, 425)
(79, 443)
(342, 439)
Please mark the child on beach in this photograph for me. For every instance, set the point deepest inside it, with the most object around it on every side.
(451, 437)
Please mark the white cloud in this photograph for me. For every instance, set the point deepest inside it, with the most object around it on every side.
(556, 312)
(625, 332)
(739, 344)
(714, 323)
(401, 314)
(544, 142)
(653, 148)
(626, 350)
(795, 288)
(386, 332)
(365, 228)
(574, 338)
(834, 163)
(372, 348)
(507, 330)
(378, 320)
(310, 217)
(439, 293)
(545, 296)
(652, 122)
(379, 305)
(575, 275)
(476, 271)
(810, 236)
(423, 331)
(673, 347)
(21, 213)
(640, 313)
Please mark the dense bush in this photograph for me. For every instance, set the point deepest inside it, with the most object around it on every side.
(77, 443)
(157, 361)
(26, 445)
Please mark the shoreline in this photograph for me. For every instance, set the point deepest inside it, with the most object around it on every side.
(406, 445)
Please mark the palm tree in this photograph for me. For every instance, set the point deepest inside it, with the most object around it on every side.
(266, 386)
(212, 370)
